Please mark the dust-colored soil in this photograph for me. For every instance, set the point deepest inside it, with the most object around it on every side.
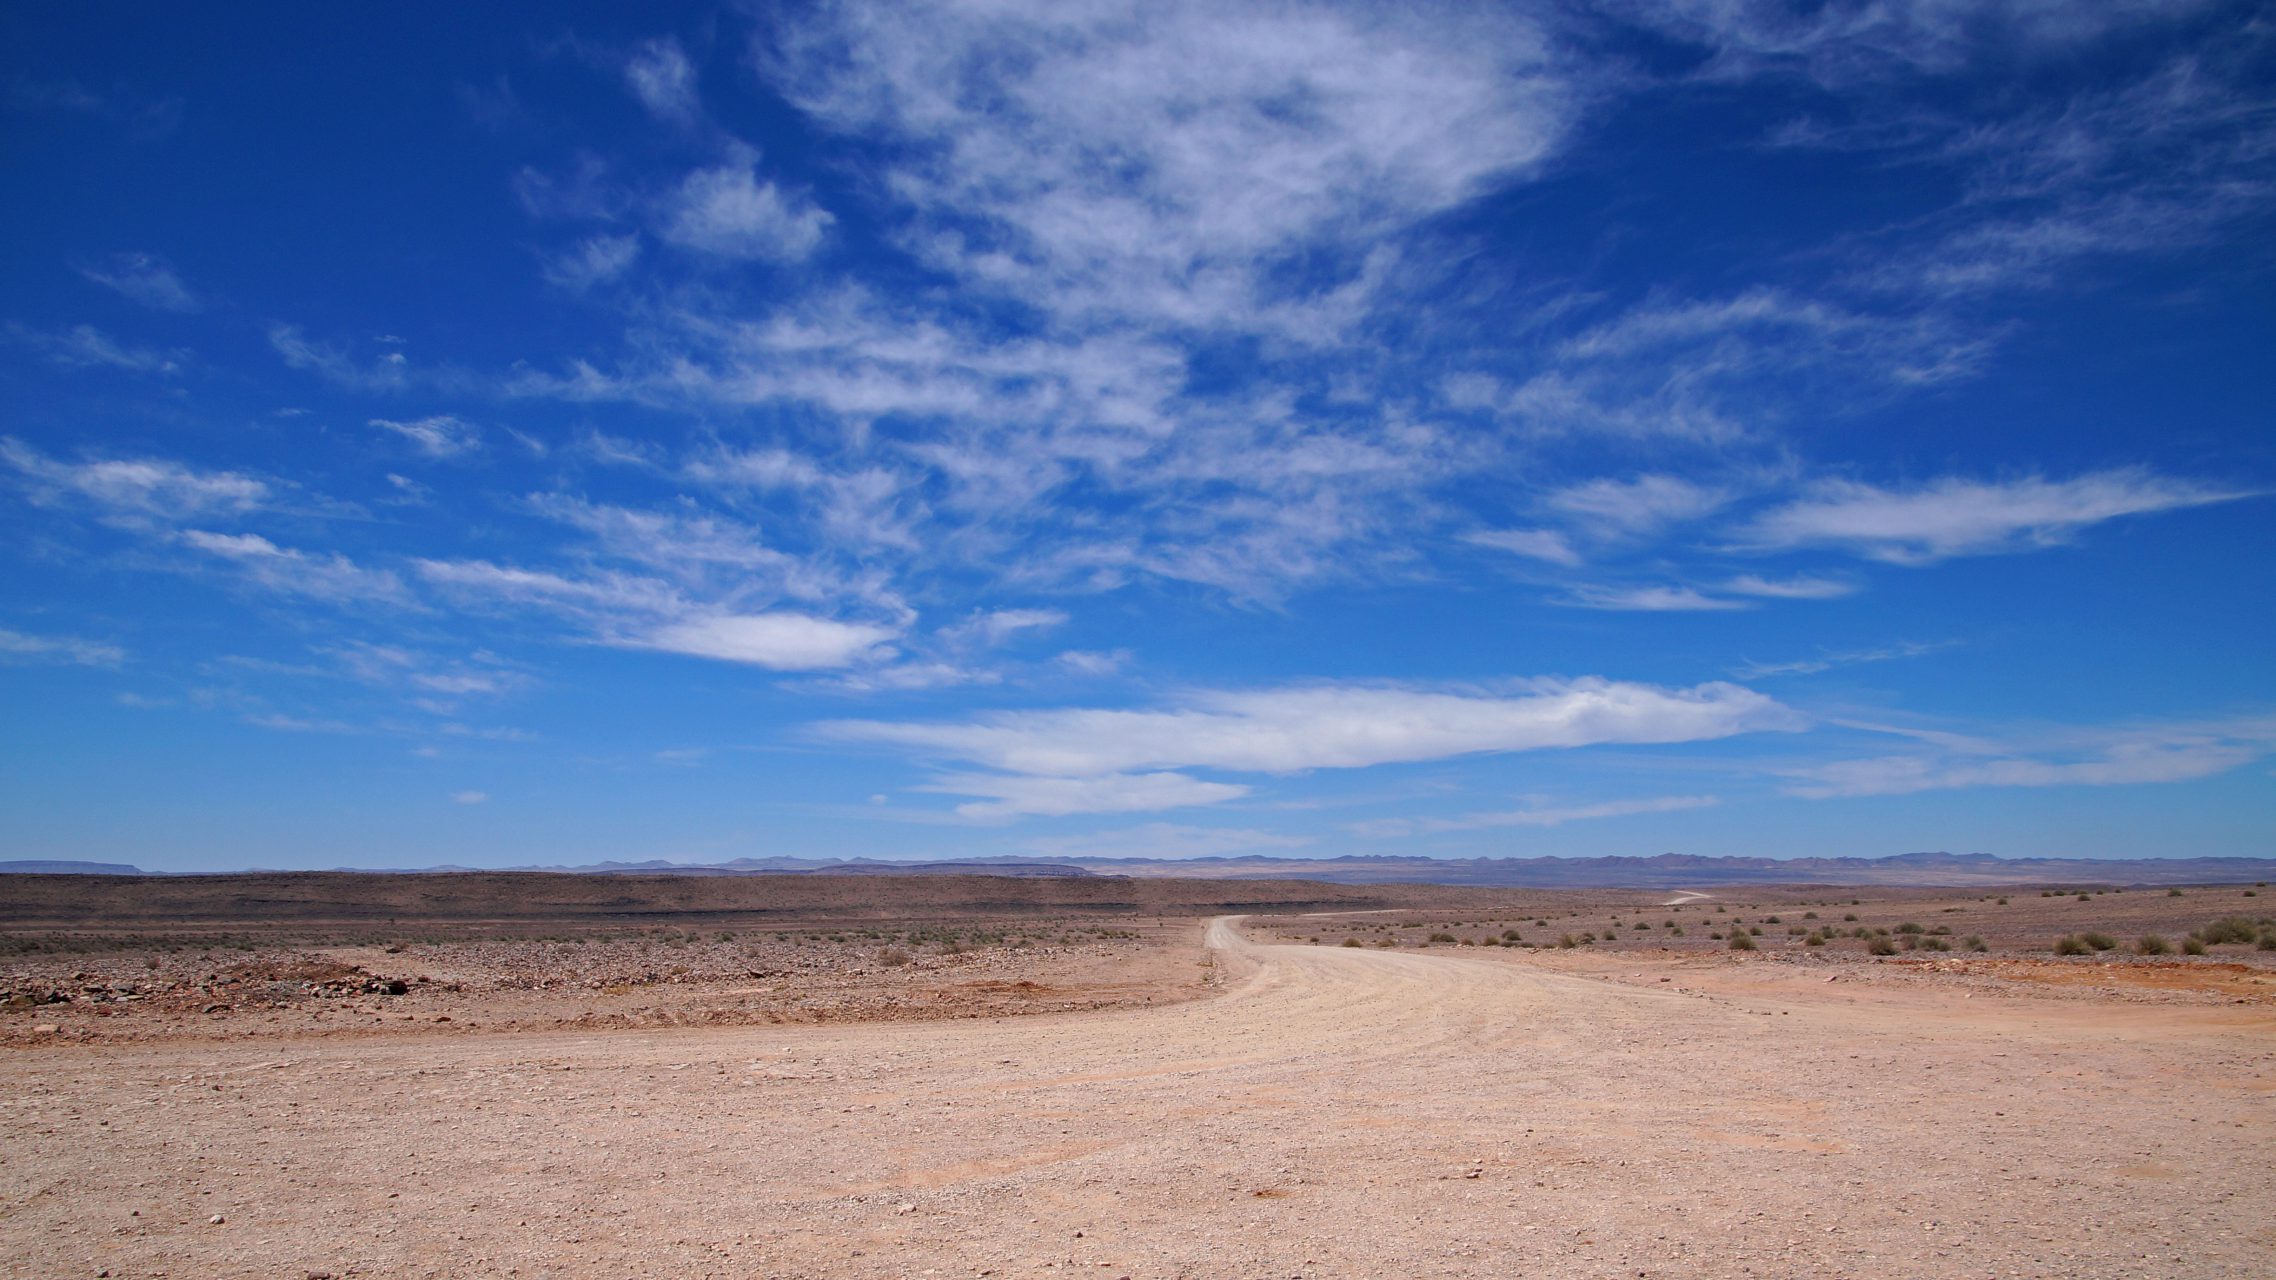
(1319, 1111)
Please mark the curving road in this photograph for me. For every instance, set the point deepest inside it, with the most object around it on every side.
(1334, 1112)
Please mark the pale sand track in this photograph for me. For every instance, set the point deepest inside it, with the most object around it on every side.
(1318, 1118)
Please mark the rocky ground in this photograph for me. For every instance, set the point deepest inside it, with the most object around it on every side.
(1199, 1105)
(131, 992)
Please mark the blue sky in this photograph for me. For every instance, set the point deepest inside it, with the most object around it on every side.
(916, 430)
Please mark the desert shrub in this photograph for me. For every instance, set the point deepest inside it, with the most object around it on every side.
(1974, 943)
(1942, 930)
(1795, 931)
(2069, 945)
(2192, 947)
(2228, 929)
(1849, 916)
(1741, 942)
(2098, 941)
(2173, 893)
(1717, 935)
(1909, 941)
(1909, 927)
(1352, 942)
(893, 957)
(1809, 915)
(1772, 920)
(1935, 944)
(1814, 940)
(1568, 942)
(2149, 944)
(2001, 901)
(2267, 940)
(2082, 897)
(1447, 938)
(1881, 947)
(1754, 930)
(1509, 935)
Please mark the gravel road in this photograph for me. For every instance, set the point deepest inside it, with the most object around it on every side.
(1329, 1112)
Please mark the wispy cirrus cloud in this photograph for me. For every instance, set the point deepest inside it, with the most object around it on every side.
(24, 647)
(1547, 545)
(633, 611)
(437, 436)
(1655, 598)
(1165, 840)
(1958, 517)
(145, 279)
(729, 211)
(327, 576)
(1532, 816)
(1838, 658)
(1285, 731)
(136, 490)
(1018, 795)
(2100, 757)
(83, 346)
(661, 77)
(1157, 167)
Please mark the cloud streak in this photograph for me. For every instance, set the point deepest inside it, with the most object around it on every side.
(1960, 517)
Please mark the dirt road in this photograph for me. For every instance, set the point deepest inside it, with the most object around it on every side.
(1334, 1112)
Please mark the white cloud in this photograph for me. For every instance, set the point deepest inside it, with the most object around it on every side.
(333, 578)
(1847, 44)
(83, 346)
(387, 373)
(427, 677)
(469, 797)
(17, 646)
(661, 76)
(2091, 758)
(1010, 796)
(1801, 587)
(1094, 662)
(1165, 840)
(439, 436)
(1640, 506)
(630, 611)
(729, 212)
(137, 490)
(1333, 727)
(993, 627)
(597, 597)
(779, 641)
(1538, 816)
(144, 279)
(1812, 666)
(1955, 517)
(1154, 164)
(595, 260)
(1650, 599)
(1534, 544)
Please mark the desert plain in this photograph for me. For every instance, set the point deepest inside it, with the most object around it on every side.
(784, 1076)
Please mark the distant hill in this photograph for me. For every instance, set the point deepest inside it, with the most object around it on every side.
(1664, 871)
(1682, 871)
(37, 866)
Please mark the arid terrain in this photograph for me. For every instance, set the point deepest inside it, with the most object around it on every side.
(534, 1076)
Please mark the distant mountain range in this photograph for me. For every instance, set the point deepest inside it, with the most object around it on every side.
(1665, 871)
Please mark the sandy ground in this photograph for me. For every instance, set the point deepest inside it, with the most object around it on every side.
(1326, 1111)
